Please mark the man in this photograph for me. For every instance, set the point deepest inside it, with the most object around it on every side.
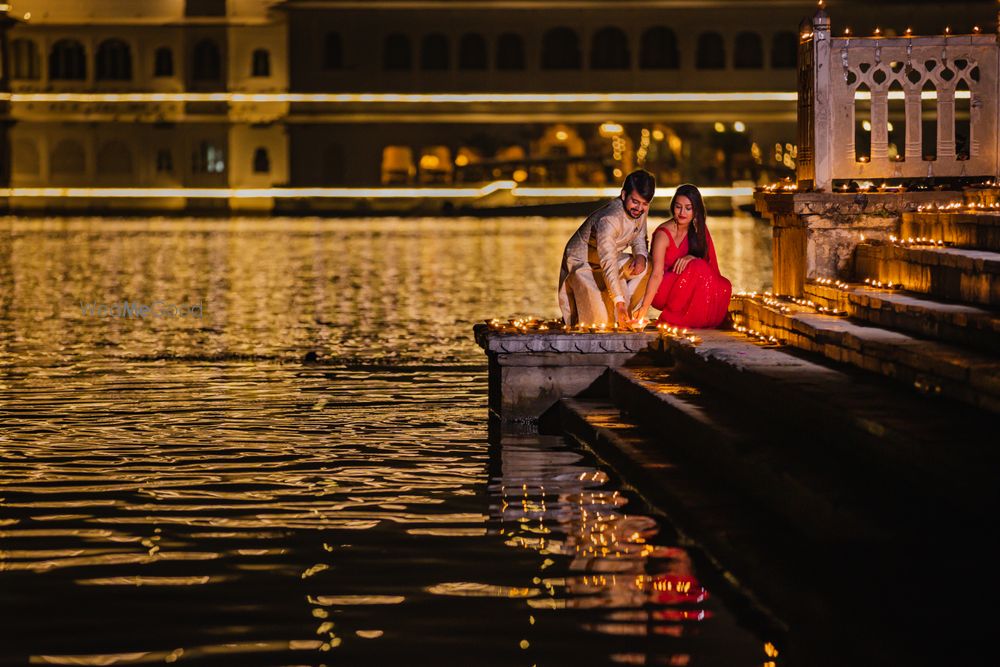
(599, 282)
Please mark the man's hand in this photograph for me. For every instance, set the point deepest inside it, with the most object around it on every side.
(621, 314)
(637, 265)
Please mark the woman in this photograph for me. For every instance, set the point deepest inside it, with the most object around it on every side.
(685, 283)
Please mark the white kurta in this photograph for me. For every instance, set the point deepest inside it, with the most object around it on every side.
(593, 274)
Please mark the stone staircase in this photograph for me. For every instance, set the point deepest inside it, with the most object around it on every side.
(920, 313)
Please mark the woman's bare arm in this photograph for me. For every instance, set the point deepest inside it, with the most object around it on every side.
(657, 253)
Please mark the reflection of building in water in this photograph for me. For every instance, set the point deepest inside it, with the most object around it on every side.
(411, 92)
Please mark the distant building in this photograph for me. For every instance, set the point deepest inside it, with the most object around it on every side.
(421, 92)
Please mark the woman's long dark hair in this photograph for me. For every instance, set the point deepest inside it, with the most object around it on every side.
(697, 234)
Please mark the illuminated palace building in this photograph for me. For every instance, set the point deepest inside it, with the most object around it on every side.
(257, 94)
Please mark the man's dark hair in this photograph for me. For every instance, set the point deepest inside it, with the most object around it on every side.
(641, 182)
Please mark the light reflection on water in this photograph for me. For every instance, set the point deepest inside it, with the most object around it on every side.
(187, 490)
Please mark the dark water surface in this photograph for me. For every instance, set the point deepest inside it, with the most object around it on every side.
(185, 489)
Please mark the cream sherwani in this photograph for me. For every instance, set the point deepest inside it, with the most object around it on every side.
(594, 274)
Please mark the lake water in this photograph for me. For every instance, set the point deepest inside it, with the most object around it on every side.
(178, 486)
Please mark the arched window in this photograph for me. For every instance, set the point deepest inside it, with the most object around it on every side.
(114, 158)
(261, 161)
(68, 158)
(114, 61)
(434, 52)
(929, 121)
(658, 49)
(24, 54)
(749, 52)
(24, 158)
(163, 62)
(472, 52)
(510, 51)
(609, 49)
(67, 62)
(784, 50)
(862, 124)
(333, 51)
(711, 51)
(396, 52)
(207, 61)
(560, 49)
(261, 63)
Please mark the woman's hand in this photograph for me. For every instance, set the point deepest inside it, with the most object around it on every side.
(638, 316)
(682, 263)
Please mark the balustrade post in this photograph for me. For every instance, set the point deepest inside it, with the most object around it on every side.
(814, 168)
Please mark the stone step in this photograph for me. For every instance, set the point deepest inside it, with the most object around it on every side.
(979, 230)
(944, 450)
(960, 324)
(820, 497)
(967, 276)
(928, 366)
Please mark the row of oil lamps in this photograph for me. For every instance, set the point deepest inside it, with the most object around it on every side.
(527, 325)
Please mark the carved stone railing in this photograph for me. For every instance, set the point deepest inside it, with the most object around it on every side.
(945, 85)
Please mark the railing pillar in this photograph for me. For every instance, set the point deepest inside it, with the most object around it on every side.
(815, 159)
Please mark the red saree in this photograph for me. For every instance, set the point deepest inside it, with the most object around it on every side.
(696, 298)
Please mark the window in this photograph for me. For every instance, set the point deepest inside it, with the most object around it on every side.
(658, 49)
(261, 161)
(67, 62)
(333, 53)
(560, 49)
(510, 52)
(434, 52)
(163, 62)
(164, 161)
(711, 51)
(396, 52)
(26, 63)
(749, 52)
(114, 61)
(609, 50)
(784, 50)
(261, 63)
(472, 52)
(207, 62)
(208, 159)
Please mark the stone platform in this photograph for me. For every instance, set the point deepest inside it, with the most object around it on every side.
(530, 372)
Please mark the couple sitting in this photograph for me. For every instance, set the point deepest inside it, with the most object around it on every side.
(600, 283)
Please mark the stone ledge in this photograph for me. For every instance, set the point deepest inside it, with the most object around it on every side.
(980, 230)
(579, 343)
(931, 367)
(849, 203)
(956, 323)
(968, 276)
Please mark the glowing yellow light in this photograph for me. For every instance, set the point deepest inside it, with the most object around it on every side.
(462, 160)
(878, 31)
(406, 98)
(429, 162)
(27, 16)
(867, 126)
(770, 650)
(847, 32)
(610, 129)
(889, 127)
(562, 135)
(658, 135)
(719, 127)
(520, 176)
(739, 126)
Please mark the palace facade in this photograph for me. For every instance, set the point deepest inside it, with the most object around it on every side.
(252, 94)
